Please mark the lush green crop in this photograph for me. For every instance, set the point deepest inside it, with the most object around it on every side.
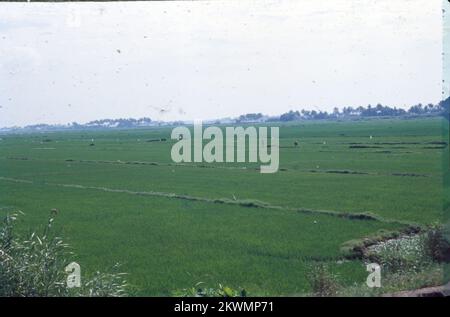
(173, 225)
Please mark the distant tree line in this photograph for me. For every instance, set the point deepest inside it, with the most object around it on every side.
(119, 123)
(379, 110)
(442, 109)
(445, 106)
(250, 117)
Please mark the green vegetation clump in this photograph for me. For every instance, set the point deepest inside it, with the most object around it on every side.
(411, 253)
(219, 291)
(405, 254)
(323, 282)
(34, 266)
(437, 244)
(408, 262)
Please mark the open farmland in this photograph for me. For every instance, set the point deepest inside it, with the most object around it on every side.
(171, 225)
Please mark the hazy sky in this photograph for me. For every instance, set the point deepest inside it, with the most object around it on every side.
(207, 59)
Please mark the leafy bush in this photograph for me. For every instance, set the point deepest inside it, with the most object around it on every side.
(35, 266)
(322, 281)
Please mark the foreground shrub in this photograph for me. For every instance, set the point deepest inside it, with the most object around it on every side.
(437, 245)
(35, 266)
(323, 283)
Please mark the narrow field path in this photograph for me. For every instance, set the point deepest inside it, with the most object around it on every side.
(249, 203)
(215, 166)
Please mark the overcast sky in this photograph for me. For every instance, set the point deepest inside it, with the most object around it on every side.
(208, 59)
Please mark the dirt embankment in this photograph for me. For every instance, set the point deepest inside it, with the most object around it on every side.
(437, 291)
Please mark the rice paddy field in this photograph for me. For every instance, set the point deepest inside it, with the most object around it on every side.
(174, 225)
